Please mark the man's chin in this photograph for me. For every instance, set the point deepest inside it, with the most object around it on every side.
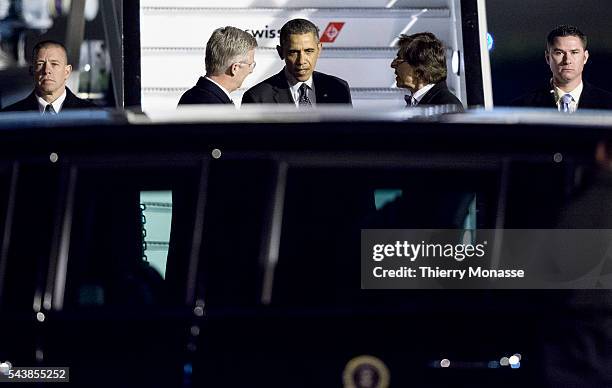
(302, 77)
(564, 80)
(45, 91)
(568, 75)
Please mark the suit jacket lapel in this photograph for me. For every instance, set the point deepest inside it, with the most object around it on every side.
(321, 92)
(432, 92)
(69, 102)
(32, 101)
(586, 100)
(282, 94)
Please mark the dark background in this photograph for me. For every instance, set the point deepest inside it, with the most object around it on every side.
(519, 29)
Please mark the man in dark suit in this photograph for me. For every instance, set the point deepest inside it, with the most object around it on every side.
(51, 70)
(230, 58)
(298, 83)
(420, 66)
(566, 54)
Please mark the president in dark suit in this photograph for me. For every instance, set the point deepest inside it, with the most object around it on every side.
(420, 67)
(566, 54)
(298, 83)
(230, 58)
(51, 70)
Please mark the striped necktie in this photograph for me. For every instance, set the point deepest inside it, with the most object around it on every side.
(566, 100)
(49, 110)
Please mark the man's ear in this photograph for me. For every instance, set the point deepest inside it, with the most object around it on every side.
(233, 69)
(546, 57)
(68, 70)
(586, 56)
(279, 50)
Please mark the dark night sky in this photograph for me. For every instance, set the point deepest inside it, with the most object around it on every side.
(520, 28)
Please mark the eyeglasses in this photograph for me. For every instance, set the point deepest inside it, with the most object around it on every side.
(398, 61)
(251, 65)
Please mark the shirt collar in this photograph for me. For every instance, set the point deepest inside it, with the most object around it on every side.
(294, 87)
(418, 95)
(57, 104)
(222, 88)
(574, 93)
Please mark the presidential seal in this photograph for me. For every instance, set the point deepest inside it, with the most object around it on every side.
(365, 372)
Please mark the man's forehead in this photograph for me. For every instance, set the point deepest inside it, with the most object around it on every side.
(567, 42)
(51, 53)
(309, 37)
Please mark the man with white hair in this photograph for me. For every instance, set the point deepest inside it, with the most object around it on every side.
(230, 58)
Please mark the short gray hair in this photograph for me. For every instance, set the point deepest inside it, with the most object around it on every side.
(225, 46)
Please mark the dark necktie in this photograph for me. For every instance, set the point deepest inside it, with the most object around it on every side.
(566, 100)
(49, 110)
(410, 101)
(304, 101)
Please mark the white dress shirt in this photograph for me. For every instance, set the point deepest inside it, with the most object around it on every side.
(57, 104)
(418, 95)
(294, 88)
(575, 97)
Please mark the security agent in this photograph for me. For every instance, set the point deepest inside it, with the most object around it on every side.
(230, 58)
(298, 83)
(420, 67)
(50, 70)
(566, 54)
